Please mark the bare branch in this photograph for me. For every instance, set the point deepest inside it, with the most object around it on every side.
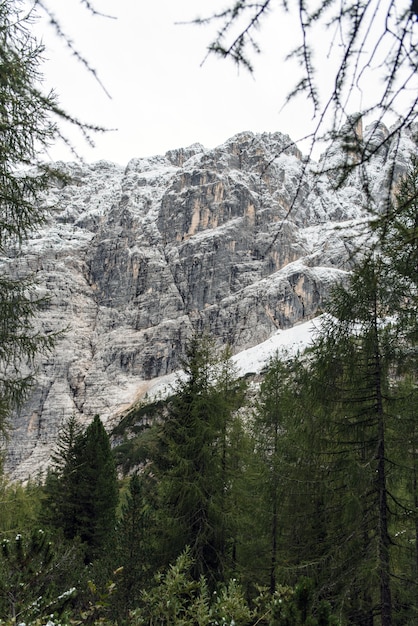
(54, 22)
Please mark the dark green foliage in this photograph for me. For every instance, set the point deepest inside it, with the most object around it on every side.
(25, 128)
(96, 490)
(351, 379)
(60, 488)
(82, 489)
(397, 229)
(37, 576)
(191, 472)
(193, 461)
(290, 496)
(362, 461)
(275, 409)
(135, 544)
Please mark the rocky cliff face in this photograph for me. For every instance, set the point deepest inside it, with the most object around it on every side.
(241, 241)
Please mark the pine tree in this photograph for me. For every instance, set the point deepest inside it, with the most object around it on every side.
(96, 489)
(291, 494)
(60, 504)
(231, 445)
(193, 463)
(25, 128)
(37, 577)
(404, 491)
(82, 489)
(351, 376)
(270, 424)
(397, 231)
(134, 548)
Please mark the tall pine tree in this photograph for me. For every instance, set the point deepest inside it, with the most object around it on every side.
(96, 490)
(350, 374)
(134, 549)
(193, 462)
(82, 491)
(59, 508)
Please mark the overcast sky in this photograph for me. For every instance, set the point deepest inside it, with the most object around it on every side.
(162, 97)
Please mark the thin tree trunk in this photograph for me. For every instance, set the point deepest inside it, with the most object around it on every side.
(384, 540)
(274, 525)
(415, 483)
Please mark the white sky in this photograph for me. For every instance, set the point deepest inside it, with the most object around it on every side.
(162, 97)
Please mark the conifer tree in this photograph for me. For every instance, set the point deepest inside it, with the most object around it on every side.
(404, 518)
(193, 464)
(351, 377)
(37, 577)
(270, 431)
(291, 495)
(96, 489)
(29, 123)
(82, 490)
(397, 231)
(25, 128)
(59, 508)
(231, 447)
(134, 549)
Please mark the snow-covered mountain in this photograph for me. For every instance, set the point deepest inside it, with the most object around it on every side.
(243, 241)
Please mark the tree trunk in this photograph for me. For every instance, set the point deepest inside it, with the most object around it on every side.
(383, 535)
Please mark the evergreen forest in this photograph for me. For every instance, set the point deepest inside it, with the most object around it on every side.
(285, 499)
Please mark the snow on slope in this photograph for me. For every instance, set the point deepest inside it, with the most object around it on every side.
(285, 343)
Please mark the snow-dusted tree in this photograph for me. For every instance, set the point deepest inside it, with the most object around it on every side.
(37, 577)
(397, 230)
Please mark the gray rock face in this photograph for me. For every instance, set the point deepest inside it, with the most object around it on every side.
(133, 260)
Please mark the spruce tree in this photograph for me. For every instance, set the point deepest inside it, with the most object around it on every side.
(397, 230)
(59, 510)
(269, 429)
(82, 488)
(96, 490)
(351, 365)
(232, 448)
(30, 122)
(291, 499)
(193, 462)
(38, 577)
(134, 549)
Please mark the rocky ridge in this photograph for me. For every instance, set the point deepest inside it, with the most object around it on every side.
(242, 241)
